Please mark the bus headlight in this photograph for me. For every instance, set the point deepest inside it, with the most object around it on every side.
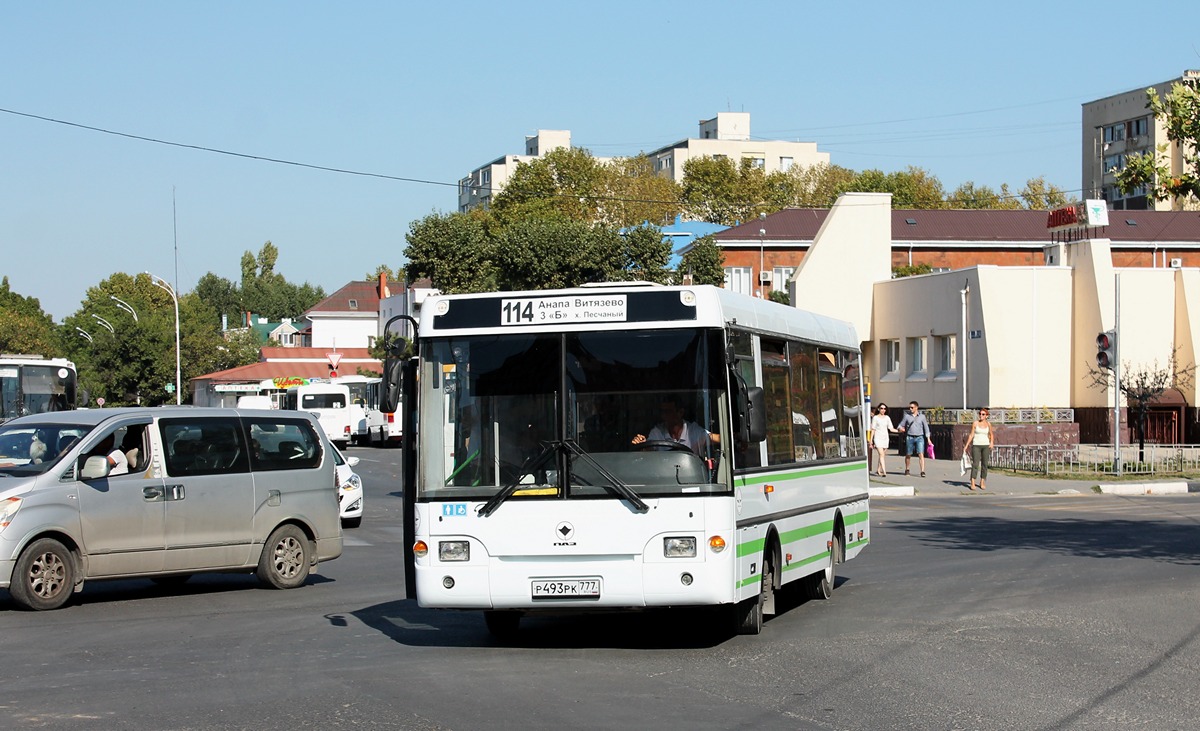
(8, 509)
(454, 550)
(679, 547)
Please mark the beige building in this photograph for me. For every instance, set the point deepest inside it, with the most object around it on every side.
(1002, 336)
(1120, 125)
(728, 135)
(477, 189)
(725, 135)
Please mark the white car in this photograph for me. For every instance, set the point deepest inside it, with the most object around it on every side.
(350, 491)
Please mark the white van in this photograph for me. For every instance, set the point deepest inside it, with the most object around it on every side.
(162, 493)
(330, 403)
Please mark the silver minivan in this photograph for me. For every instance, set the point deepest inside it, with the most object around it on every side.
(162, 493)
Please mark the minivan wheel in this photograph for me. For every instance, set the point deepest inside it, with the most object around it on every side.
(285, 558)
(44, 575)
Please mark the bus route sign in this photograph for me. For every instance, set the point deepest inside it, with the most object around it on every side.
(551, 310)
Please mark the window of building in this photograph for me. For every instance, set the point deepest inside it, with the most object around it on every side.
(758, 162)
(916, 358)
(1114, 132)
(785, 163)
(947, 355)
(354, 304)
(889, 354)
(485, 177)
(737, 279)
(1140, 126)
(780, 277)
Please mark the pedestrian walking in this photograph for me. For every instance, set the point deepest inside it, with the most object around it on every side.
(980, 441)
(915, 428)
(881, 434)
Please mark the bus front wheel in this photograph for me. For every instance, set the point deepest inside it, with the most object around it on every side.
(820, 584)
(749, 614)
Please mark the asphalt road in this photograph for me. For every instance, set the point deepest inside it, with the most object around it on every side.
(985, 612)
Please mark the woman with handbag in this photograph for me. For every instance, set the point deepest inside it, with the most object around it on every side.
(980, 441)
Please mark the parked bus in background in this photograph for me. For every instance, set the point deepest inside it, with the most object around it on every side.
(361, 403)
(384, 428)
(31, 384)
(330, 403)
(627, 446)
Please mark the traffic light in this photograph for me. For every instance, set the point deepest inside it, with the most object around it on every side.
(1106, 349)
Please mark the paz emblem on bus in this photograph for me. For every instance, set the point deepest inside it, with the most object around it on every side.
(565, 531)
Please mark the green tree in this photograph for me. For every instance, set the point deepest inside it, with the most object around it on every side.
(566, 181)
(393, 275)
(453, 250)
(223, 296)
(647, 255)
(704, 262)
(634, 194)
(133, 363)
(267, 293)
(1038, 195)
(971, 196)
(24, 326)
(910, 188)
(818, 186)
(557, 252)
(1179, 112)
(714, 190)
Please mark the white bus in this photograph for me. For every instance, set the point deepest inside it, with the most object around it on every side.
(364, 399)
(627, 446)
(31, 384)
(329, 402)
(384, 428)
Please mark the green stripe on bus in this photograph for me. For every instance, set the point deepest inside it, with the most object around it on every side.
(750, 547)
(808, 531)
(814, 471)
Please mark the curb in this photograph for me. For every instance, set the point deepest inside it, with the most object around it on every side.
(898, 491)
(1147, 488)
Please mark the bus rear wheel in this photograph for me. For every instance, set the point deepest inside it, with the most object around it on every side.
(820, 584)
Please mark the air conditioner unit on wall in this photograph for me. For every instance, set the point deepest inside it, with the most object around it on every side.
(764, 277)
(1176, 263)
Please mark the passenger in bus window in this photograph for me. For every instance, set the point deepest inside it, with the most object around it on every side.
(675, 428)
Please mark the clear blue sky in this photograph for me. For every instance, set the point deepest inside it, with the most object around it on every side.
(986, 92)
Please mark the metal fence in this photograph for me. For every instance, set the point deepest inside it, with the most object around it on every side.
(1044, 415)
(1097, 459)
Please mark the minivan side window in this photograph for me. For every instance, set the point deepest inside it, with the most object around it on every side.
(203, 446)
(280, 443)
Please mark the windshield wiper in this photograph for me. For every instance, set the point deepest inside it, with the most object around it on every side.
(615, 485)
(507, 491)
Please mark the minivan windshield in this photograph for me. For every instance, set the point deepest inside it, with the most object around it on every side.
(31, 449)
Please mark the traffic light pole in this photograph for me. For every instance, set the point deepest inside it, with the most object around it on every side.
(1116, 369)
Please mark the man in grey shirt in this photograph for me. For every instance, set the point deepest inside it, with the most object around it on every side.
(915, 428)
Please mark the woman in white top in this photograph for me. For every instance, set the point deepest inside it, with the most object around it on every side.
(881, 431)
(980, 441)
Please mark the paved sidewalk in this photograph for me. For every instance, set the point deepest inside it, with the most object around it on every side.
(943, 480)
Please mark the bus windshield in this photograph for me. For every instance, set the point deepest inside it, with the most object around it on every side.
(569, 414)
(35, 387)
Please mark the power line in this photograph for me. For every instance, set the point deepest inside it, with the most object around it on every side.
(230, 153)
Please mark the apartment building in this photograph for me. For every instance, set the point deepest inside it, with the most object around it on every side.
(486, 181)
(728, 135)
(1118, 126)
(725, 135)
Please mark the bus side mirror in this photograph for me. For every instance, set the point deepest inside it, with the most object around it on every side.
(749, 411)
(755, 420)
(389, 396)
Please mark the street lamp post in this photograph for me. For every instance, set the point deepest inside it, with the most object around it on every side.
(84, 334)
(163, 284)
(105, 323)
(124, 306)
